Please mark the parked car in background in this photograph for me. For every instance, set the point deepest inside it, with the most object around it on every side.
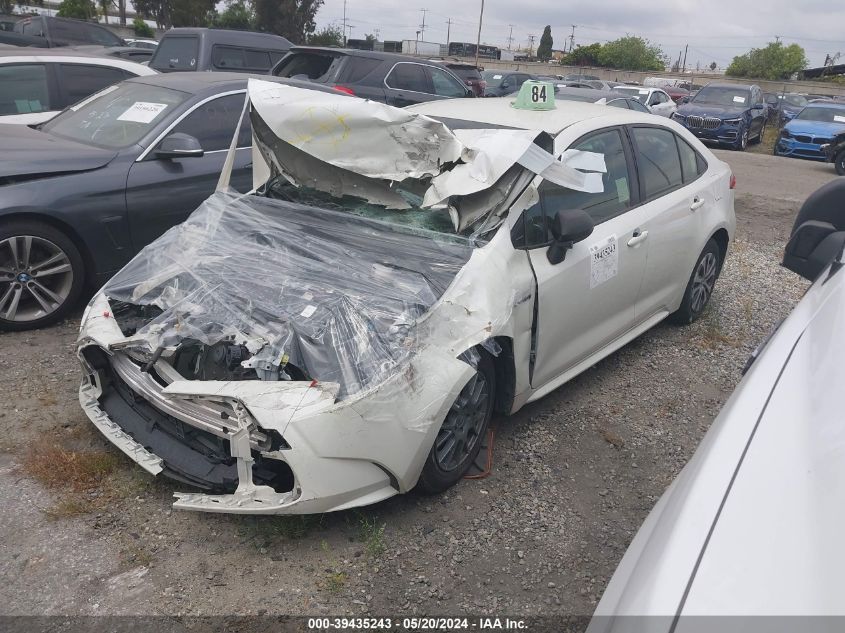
(815, 126)
(398, 80)
(36, 84)
(470, 74)
(601, 97)
(43, 31)
(83, 193)
(141, 43)
(677, 93)
(746, 528)
(725, 114)
(655, 99)
(198, 49)
(503, 82)
(784, 107)
(132, 53)
(579, 77)
(304, 351)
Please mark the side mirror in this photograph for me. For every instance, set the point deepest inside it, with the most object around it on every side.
(568, 227)
(179, 145)
(683, 100)
(818, 235)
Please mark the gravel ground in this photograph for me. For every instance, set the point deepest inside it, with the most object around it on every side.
(575, 474)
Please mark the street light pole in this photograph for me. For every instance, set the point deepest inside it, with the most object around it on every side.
(478, 40)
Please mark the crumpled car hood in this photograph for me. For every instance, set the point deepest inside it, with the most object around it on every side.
(334, 295)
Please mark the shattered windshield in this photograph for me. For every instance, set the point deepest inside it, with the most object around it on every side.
(414, 217)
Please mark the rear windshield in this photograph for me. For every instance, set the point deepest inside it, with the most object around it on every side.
(312, 66)
(639, 94)
(795, 100)
(493, 79)
(176, 53)
(822, 114)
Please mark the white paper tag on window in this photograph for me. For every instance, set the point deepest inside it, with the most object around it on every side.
(838, 119)
(497, 76)
(142, 112)
(739, 99)
(604, 261)
(308, 311)
(643, 92)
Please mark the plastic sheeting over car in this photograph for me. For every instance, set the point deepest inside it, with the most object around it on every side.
(335, 296)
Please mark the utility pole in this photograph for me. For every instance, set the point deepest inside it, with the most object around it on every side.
(344, 23)
(572, 38)
(448, 31)
(777, 39)
(686, 49)
(531, 45)
(478, 39)
(510, 36)
(422, 26)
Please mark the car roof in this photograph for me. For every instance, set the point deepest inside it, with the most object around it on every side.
(724, 84)
(231, 36)
(498, 111)
(839, 105)
(68, 54)
(355, 52)
(212, 83)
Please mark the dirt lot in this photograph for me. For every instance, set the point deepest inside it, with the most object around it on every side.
(84, 531)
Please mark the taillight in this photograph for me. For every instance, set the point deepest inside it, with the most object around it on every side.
(733, 181)
(345, 89)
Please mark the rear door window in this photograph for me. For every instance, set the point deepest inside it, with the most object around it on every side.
(227, 57)
(658, 161)
(176, 53)
(445, 84)
(24, 89)
(78, 81)
(408, 76)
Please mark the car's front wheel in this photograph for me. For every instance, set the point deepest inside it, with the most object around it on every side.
(460, 437)
(839, 163)
(700, 285)
(41, 275)
(742, 139)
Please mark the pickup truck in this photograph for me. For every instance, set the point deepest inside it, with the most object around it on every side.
(48, 32)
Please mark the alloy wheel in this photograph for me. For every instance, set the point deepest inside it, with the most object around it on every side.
(36, 278)
(703, 282)
(743, 141)
(462, 428)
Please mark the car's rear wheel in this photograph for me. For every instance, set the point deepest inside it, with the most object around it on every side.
(700, 285)
(41, 275)
(460, 437)
(839, 163)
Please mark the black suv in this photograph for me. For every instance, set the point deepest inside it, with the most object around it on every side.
(398, 80)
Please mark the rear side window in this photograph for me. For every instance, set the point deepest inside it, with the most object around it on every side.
(81, 33)
(658, 161)
(260, 60)
(313, 66)
(227, 57)
(407, 76)
(356, 68)
(33, 28)
(176, 53)
(692, 163)
(24, 89)
(78, 81)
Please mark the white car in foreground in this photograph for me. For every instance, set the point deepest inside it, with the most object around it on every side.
(37, 84)
(752, 524)
(346, 333)
(655, 99)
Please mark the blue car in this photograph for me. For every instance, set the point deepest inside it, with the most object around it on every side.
(816, 125)
(784, 107)
(725, 114)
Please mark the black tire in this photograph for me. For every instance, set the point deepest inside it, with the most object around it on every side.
(741, 139)
(437, 477)
(707, 268)
(41, 301)
(761, 134)
(839, 163)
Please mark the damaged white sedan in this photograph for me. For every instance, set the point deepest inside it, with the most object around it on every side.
(346, 332)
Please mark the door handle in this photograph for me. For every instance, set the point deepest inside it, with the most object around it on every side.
(697, 203)
(637, 237)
